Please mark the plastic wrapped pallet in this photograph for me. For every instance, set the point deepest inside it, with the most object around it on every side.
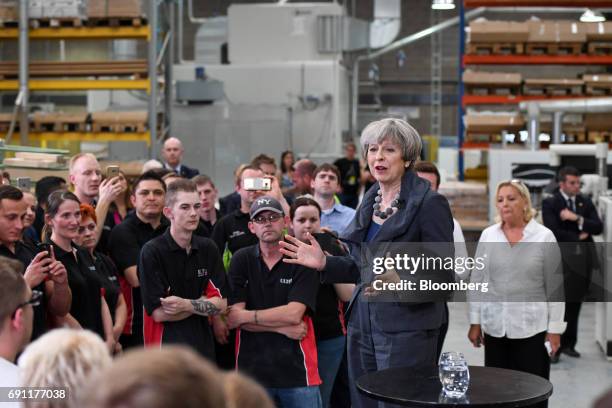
(114, 8)
(57, 8)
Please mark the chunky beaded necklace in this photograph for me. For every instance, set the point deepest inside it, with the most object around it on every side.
(389, 210)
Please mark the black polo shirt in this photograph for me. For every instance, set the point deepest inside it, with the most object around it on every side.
(25, 253)
(109, 275)
(233, 230)
(86, 287)
(274, 359)
(127, 239)
(166, 269)
(205, 228)
(329, 319)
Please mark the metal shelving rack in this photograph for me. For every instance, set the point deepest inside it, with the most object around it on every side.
(148, 33)
(466, 100)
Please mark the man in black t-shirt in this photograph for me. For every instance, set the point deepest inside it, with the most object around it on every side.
(350, 174)
(41, 272)
(182, 277)
(127, 239)
(209, 215)
(230, 234)
(272, 304)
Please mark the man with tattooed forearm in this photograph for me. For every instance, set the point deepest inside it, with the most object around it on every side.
(182, 279)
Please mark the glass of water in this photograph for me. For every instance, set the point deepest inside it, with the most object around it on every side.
(454, 374)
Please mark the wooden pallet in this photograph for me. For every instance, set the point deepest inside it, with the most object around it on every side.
(553, 89)
(139, 68)
(5, 122)
(560, 48)
(596, 89)
(56, 22)
(599, 48)
(492, 89)
(495, 48)
(115, 21)
(59, 122)
(119, 122)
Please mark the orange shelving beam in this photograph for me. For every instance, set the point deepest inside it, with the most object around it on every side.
(582, 59)
(513, 99)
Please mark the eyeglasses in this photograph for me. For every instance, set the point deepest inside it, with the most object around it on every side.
(263, 220)
(34, 301)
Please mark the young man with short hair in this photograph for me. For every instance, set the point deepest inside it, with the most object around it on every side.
(325, 184)
(272, 304)
(182, 277)
(208, 197)
(41, 271)
(127, 239)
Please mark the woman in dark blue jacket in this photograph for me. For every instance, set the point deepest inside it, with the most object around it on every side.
(399, 208)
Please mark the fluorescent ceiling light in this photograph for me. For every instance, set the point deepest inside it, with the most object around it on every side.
(590, 16)
(442, 4)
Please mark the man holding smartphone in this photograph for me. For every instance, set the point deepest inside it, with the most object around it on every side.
(42, 271)
(86, 177)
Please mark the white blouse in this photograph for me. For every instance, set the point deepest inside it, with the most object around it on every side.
(518, 276)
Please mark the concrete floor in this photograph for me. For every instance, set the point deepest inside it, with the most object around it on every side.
(577, 382)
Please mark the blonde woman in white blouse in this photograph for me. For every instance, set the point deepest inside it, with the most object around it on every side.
(523, 308)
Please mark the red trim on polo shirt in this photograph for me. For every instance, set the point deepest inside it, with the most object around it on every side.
(308, 345)
(341, 316)
(153, 331)
(126, 290)
(237, 351)
(212, 290)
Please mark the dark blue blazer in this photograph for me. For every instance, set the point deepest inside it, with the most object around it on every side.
(424, 216)
(186, 172)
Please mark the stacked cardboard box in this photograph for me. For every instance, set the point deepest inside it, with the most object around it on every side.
(114, 8)
(493, 123)
(598, 31)
(491, 78)
(482, 30)
(549, 31)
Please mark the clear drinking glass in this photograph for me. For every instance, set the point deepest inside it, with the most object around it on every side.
(454, 374)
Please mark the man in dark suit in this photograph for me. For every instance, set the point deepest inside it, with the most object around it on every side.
(172, 154)
(572, 218)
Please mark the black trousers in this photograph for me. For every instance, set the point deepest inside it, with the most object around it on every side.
(570, 336)
(528, 355)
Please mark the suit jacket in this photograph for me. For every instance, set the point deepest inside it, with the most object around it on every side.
(186, 172)
(424, 216)
(579, 259)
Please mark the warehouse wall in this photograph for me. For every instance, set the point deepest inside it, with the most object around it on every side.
(404, 86)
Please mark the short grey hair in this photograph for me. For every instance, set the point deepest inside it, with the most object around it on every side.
(397, 131)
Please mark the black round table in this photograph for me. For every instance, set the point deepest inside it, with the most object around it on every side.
(489, 387)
